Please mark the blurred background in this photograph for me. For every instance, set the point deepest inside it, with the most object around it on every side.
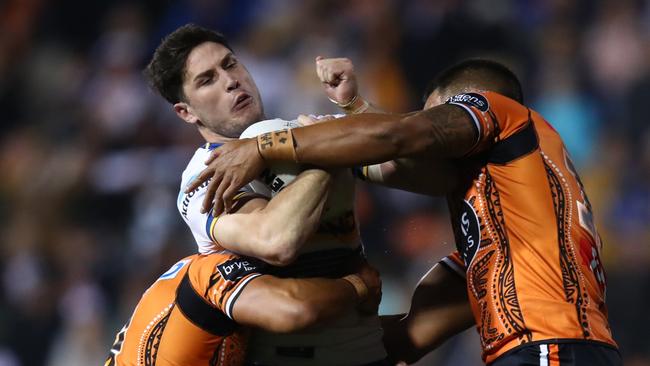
(91, 159)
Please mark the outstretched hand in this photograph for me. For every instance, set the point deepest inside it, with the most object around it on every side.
(229, 167)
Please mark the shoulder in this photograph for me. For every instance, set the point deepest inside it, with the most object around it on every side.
(484, 101)
(226, 265)
(196, 163)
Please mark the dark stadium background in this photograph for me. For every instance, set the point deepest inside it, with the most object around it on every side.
(91, 160)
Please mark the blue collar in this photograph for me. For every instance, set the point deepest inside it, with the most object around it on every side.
(211, 145)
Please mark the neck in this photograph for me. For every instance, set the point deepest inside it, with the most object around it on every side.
(212, 137)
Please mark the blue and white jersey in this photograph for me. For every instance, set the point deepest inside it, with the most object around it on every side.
(189, 204)
(352, 339)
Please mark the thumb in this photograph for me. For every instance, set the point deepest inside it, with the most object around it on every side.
(318, 58)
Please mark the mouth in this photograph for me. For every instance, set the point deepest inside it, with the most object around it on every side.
(242, 101)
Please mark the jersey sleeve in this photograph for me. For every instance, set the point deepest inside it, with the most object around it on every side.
(224, 279)
(497, 118)
(455, 263)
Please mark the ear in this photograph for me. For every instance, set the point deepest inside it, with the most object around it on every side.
(185, 112)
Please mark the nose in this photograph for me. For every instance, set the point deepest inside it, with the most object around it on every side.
(231, 83)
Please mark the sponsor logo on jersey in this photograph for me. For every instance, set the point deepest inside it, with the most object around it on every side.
(470, 233)
(187, 197)
(471, 99)
(236, 268)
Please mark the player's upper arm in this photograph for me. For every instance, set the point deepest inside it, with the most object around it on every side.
(497, 118)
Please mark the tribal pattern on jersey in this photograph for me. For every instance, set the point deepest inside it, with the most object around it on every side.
(525, 232)
(510, 311)
(575, 293)
(150, 352)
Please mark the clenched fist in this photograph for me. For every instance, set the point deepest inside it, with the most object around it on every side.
(337, 75)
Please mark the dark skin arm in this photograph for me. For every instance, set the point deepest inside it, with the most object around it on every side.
(445, 131)
(441, 132)
(430, 177)
(289, 305)
(439, 310)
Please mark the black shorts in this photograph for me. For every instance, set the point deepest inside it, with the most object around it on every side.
(561, 353)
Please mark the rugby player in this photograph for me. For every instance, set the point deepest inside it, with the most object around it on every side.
(527, 245)
(194, 313)
(197, 72)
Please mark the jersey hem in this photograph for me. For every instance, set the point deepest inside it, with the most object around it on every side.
(556, 341)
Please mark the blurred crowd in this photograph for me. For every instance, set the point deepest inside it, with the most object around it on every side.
(90, 158)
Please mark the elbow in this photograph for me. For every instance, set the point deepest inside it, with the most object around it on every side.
(412, 136)
(281, 247)
(399, 136)
(280, 258)
(295, 316)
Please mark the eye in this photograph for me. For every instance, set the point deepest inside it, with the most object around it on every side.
(232, 63)
(205, 81)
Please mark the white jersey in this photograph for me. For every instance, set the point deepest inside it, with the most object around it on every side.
(189, 205)
(349, 340)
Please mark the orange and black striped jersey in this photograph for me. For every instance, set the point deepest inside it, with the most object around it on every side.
(185, 317)
(524, 231)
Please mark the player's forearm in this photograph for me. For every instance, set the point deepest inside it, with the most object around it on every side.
(431, 176)
(276, 230)
(293, 304)
(441, 132)
(322, 298)
(439, 310)
(294, 214)
(359, 105)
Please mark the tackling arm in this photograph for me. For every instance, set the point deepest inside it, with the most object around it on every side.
(439, 310)
(293, 304)
(445, 131)
(430, 177)
(442, 132)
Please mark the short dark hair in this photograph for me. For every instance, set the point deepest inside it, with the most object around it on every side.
(480, 73)
(166, 70)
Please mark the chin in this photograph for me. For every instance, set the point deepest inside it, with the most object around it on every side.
(252, 116)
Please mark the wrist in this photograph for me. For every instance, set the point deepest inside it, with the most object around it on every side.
(277, 146)
(356, 105)
(360, 288)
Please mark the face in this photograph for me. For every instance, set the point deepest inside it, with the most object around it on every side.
(221, 96)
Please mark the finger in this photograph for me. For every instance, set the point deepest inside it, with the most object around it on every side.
(213, 155)
(218, 197)
(319, 57)
(334, 77)
(228, 196)
(302, 119)
(305, 120)
(200, 179)
(330, 90)
(209, 193)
